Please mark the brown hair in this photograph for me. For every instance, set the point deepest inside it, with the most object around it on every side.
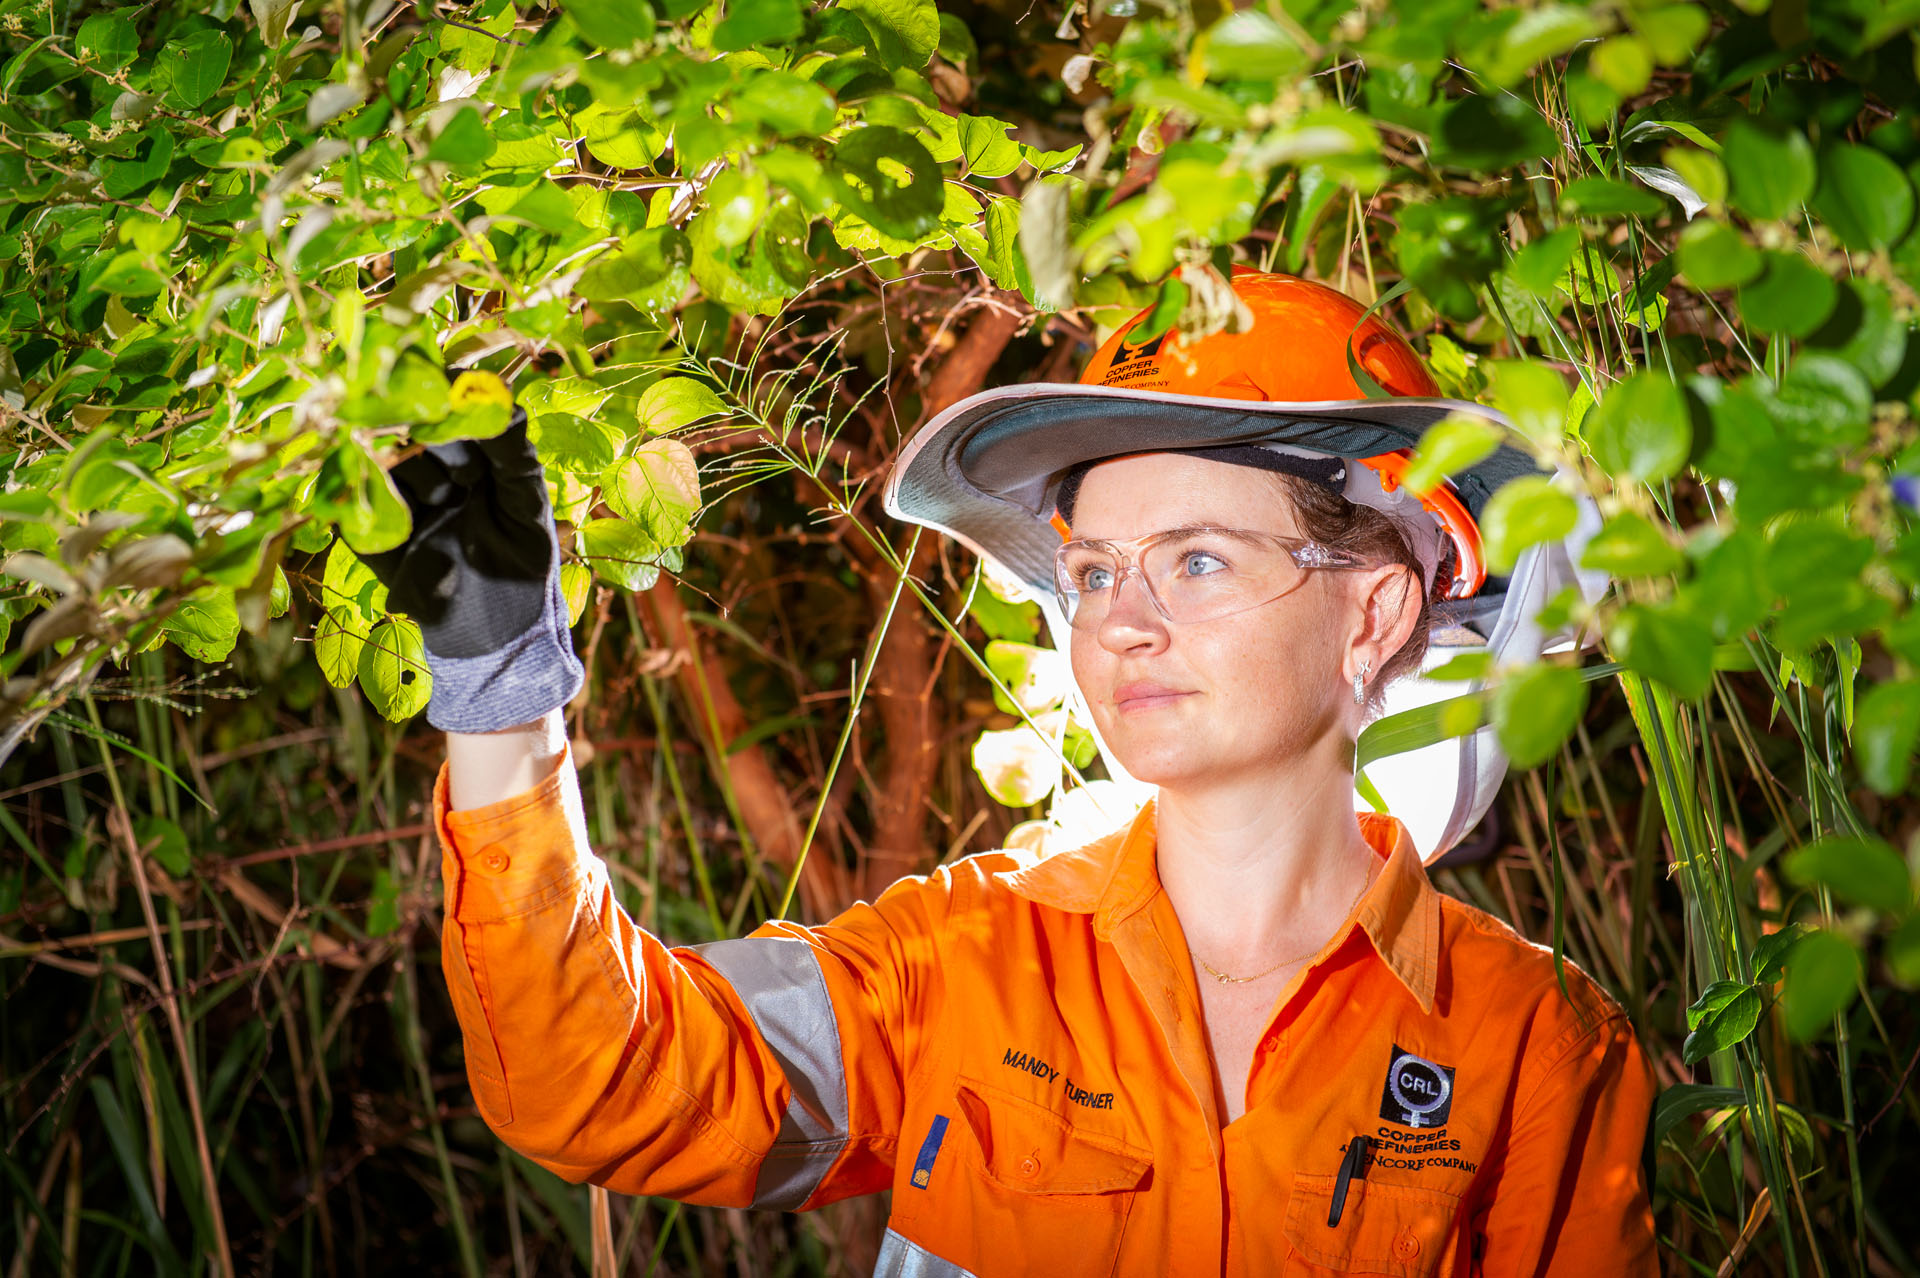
(1334, 522)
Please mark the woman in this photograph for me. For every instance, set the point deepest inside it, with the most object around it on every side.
(1242, 1034)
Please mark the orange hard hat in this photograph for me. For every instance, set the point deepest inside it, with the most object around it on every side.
(1309, 372)
(1305, 359)
(1304, 343)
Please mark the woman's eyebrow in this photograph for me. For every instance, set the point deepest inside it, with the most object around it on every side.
(1238, 534)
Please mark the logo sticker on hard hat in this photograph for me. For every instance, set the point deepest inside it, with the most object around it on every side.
(1419, 1093)
(1131, 363)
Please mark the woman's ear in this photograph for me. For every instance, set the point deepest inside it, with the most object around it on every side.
(1389, 599)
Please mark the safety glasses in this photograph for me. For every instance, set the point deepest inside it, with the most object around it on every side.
(1191, 574)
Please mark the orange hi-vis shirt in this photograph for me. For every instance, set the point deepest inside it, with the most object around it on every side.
(1014, 1046)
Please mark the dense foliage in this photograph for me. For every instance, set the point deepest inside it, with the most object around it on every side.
(726, 253)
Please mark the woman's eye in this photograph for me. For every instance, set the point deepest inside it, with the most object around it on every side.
(1198, 563)
(1095, 579)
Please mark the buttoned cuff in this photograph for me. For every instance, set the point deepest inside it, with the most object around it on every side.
(515, 856)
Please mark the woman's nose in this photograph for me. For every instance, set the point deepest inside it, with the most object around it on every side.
(1132, 619)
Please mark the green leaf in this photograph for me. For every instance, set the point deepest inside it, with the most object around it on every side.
(650, 274)
(1683, 1099)
(357, 494)
(1903, 952)
(578, 445)
(1886, 729)
(1770, 953)
(1247, 44)
(206, 627)
(984, 143)
(1730, 591)
(383, 904)
(621, 553)
(1535, 709)
(576, 581)
(1822, 397)
(1623, 63)
(1713, 256)
(1630, 546)
(736, 203)
(1863, 331)
(785, 103)
(351, 587)
(1540, 266)
(337, 642)
(463, 140)
(154, 153)
(196, 66)
(1490, 132)
(108, 41)
(751, 22)
(1017, 767)
(1536, 36)
(1600, 197)
(1448, 447)
(1861, 870)
(1037, 677)
(612, 24)
(165, 842)
(1793, 296)
(674, 403)
(1533, 397)
(1723, 1015)
(1000, 619)
(658, 488)
(1523, 513)
(887, 179)
(1640, 431)
(1863, 197)
(129, 275)
(1770, 168)
(1673, 31)
(1823, 974)
(1666, 644)
(903, 32)
(393, 669)
(1423, 725)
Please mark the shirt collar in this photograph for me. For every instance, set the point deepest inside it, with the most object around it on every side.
(1114, 876)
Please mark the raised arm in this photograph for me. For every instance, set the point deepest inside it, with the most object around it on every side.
(759, 1071)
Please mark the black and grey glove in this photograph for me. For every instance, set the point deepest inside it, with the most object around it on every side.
(480, 573)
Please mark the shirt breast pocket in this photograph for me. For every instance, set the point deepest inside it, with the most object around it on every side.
(1031, 1192)
(1399, 1230)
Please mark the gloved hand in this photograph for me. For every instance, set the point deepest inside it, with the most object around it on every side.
(480, 573)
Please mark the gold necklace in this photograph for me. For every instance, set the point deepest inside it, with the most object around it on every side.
(1224, 979)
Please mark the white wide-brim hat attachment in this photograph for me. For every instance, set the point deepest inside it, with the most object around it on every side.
(987, 472)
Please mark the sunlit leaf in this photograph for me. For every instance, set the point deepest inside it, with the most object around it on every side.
(393, 669)
(1860, 870)
(1534, 709)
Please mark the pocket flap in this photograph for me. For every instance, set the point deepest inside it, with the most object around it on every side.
(1383, 1229)
(1030, 1149)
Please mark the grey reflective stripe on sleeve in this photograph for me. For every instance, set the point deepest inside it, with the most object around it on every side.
(902, 1259)
(781, 984)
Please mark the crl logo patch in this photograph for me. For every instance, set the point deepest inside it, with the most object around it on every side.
(1418, 1093)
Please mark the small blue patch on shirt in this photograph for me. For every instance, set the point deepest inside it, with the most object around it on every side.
(929, 1150)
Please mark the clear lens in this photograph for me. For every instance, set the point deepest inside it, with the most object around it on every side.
(1194, 575)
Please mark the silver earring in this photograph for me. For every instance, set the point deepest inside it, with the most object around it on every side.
(1360, 683)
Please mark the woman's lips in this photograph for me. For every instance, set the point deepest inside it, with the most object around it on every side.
(1145, 696)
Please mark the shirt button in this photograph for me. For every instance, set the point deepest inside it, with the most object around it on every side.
(495, 860)
(1029, 1167)
(1406, 1246)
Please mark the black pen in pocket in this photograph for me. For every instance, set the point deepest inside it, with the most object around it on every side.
(1352, 1167)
